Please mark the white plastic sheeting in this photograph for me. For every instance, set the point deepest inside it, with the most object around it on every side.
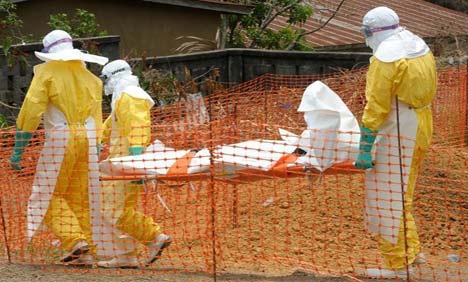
(332, 134)
(253, 154)
(157, 160)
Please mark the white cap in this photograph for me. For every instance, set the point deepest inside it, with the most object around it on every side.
(381, 17)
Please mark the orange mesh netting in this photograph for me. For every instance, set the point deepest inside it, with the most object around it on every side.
(235, 198)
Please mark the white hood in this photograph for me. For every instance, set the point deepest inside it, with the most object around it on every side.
(403, 45)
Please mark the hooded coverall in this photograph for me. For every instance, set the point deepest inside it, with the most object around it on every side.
(68, 97)
(414, 82)
(128, 126)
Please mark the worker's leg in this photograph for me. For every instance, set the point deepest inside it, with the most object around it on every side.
(61, 217)
(135, 223)
(404, 252)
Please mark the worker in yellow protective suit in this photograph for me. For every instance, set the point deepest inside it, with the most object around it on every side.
(65, 192)
(128, 131)
(401, 84)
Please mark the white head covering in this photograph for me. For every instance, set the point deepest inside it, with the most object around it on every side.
(118, 79)
(379, 24)
(58, 46)
(113, 73)
(388, 40)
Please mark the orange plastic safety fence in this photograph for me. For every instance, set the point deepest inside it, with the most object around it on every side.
(236, 197)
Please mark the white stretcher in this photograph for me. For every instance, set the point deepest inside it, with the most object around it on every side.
(331, 139)
(327, 146)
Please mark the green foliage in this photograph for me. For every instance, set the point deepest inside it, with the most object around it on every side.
(253, 30)
(10, 33)
(82, 24)
(60, 21)
(10, 24)
(458, 5)
(3, 121)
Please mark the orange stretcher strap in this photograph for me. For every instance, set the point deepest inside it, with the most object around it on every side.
(283, 162)
(181, 165)
(279, 169)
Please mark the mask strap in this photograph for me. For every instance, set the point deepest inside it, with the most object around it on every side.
(368, 32)
(377, 29)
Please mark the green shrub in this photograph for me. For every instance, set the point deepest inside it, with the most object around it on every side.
(82, 24)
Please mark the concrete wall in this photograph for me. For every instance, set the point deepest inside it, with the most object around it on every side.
(239, 65)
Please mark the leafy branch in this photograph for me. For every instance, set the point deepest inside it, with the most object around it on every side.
(81, 24)
(302, 34)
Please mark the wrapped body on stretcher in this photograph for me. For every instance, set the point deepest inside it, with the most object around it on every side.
(330, 141)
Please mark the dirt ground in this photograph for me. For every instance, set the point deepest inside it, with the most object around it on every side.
(30, 273)
(22, 273)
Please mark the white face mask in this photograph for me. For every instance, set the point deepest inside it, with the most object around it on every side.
(111, 83)
(108, 89)
(118, 82)
(372, 42)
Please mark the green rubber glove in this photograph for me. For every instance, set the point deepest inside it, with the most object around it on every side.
(21, 142)
(364, 158)
(99, 150)
(135, 151)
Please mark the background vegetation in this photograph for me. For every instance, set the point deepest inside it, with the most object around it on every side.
(457, 5)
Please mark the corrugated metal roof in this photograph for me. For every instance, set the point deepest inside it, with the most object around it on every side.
(422, 18)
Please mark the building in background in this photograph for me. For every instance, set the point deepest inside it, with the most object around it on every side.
(149, 28)
(146, 27)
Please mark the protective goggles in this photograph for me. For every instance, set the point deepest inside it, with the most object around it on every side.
(368, 32)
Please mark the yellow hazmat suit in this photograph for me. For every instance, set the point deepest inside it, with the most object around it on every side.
(401, 84)
(413, 81)
(68, 97)
(130, 127)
